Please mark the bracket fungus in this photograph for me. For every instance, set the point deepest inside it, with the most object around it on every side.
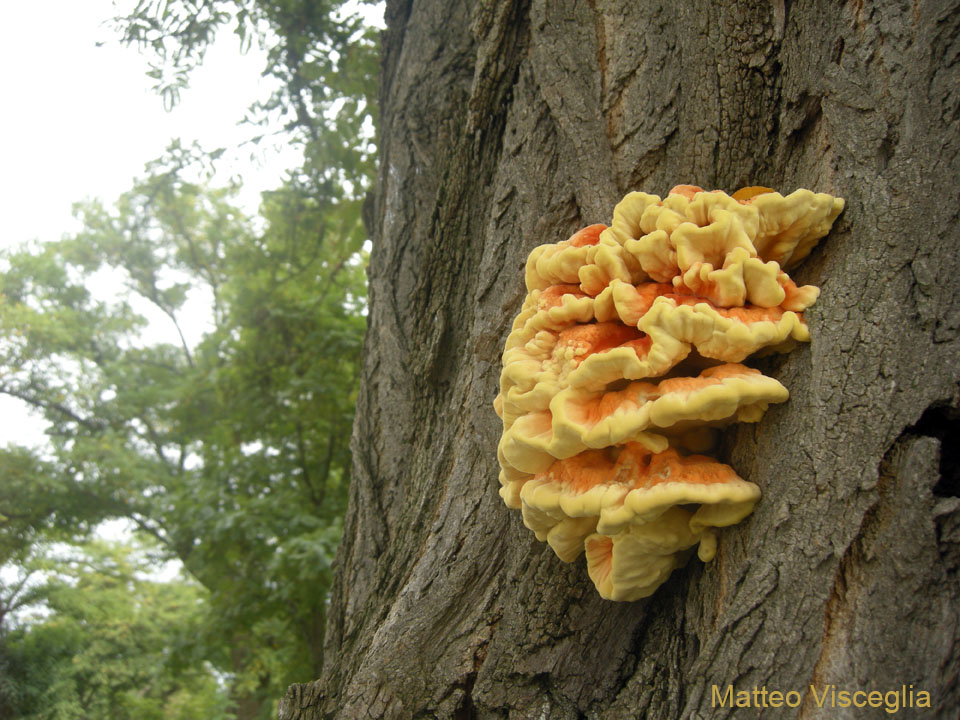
(625, 357)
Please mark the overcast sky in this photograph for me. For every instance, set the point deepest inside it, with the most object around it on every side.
(80, 121)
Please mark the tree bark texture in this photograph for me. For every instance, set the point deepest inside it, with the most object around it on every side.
(508, 125)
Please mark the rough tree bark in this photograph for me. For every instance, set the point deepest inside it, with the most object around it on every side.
(507, 125)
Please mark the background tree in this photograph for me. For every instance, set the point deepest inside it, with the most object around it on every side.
(506, 125)
(231, 453)
(108, 644)
(323, 55)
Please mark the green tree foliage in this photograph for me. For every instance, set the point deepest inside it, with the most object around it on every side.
(231, 452)
(325, 58)
(109, 644)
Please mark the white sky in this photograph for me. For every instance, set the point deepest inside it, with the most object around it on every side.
(80, 121)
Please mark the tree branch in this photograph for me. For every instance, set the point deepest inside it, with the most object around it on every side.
(47, 405)
(205, 267)
(316, 497)
(155, 441)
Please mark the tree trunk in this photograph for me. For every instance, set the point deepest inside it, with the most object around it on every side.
(509, 125)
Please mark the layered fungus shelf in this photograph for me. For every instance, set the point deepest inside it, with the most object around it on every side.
(626, 358)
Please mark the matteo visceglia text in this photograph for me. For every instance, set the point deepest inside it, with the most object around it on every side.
(831, 696)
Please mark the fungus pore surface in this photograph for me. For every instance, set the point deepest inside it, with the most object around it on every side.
(626, 358)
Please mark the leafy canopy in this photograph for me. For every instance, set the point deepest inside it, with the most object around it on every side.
(109, 644)
(322, 53)
(227, 444)
(230, 451)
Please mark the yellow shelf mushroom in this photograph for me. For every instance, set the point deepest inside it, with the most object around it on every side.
(626, 353)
